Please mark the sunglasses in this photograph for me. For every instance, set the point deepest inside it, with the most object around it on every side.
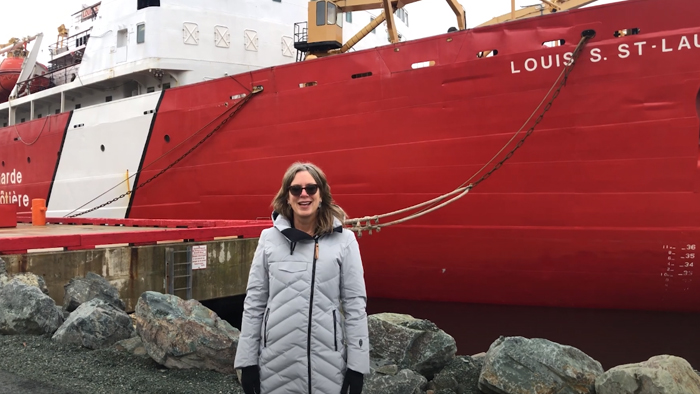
(295, 190)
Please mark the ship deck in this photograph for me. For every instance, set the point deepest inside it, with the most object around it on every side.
(60, 234)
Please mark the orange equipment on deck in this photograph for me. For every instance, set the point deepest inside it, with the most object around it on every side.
(38, 212)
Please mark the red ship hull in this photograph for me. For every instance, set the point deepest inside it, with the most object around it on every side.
(600, 208)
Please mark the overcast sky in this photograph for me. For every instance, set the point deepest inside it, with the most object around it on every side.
(427, 17)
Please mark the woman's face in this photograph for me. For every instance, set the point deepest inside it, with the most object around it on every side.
(304, 202)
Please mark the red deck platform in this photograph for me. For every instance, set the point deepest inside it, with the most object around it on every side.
(88, 233)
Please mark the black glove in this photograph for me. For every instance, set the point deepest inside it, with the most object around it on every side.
(353, 380)
(250, 379)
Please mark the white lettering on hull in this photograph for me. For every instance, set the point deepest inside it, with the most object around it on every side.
(596, 55)
(12, 178)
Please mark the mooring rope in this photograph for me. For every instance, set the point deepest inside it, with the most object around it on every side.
(357, 225)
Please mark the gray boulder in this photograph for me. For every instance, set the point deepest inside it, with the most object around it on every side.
(95, 325)
(27, 278)
(516, 365)
(25, 310)
(410, 343)
(403, 382)
(460, 376)
(81, 290)
(659, 375)
(185, 334)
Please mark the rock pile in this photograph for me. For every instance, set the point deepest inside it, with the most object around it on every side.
(408, 355)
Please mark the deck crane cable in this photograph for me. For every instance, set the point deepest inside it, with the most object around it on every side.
(357, 225)
(231, 111)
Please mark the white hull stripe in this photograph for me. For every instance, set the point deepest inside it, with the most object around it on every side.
(102, 143)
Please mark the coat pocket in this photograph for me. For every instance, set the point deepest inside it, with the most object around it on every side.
(292, 266)
(267, 316)
(335, 330)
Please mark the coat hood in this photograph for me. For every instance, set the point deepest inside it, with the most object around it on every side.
(294, 235)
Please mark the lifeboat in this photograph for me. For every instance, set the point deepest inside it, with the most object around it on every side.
(10, 68)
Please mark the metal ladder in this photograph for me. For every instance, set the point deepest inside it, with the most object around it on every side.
(184, 270)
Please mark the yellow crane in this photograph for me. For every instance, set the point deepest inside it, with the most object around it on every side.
(13, 41)
(324, 33)
(16, 47)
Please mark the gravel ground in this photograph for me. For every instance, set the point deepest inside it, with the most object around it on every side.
(31, 364)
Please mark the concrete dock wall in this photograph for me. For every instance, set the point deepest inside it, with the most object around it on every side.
(136, 269)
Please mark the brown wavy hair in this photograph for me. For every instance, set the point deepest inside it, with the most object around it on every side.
(328, 209)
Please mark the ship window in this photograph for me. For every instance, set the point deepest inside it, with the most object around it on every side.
(108, 99)
(147, 3)
(332, 14)
(39, 117)
(57, 111)
(150, 89)
(348, 17)
(77, 106)
(22, 121)
(320, 13)
(339, 20)
(140, 33)
(166, 85)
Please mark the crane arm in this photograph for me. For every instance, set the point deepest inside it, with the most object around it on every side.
(363, 5)
(16, 43)
(12, 41)
(547, 7)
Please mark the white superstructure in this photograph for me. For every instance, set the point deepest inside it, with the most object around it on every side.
(118, 49)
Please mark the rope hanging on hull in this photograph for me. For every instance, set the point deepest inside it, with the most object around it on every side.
(372, 222)
(231, 112)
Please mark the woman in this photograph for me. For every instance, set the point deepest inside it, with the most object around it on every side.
(304, 326)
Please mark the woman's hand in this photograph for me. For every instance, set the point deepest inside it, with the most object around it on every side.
(250, 379)
(353, 381)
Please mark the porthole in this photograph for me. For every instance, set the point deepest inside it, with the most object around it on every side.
(167, 138)
(102, 148)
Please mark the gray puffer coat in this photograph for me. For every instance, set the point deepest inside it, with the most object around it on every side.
(304, 320)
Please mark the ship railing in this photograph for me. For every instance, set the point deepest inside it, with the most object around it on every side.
(301, 32)
(301, 36)
(70, 44)
(53, 75)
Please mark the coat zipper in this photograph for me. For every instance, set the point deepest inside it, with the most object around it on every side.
(311, 305)
(335, 332)
(267, 316)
